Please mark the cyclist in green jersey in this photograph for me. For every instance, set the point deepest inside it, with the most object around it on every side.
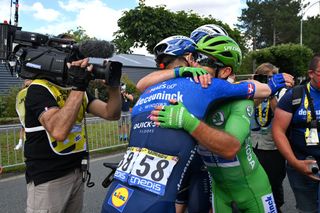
(241, 181)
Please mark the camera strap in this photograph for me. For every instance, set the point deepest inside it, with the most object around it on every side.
(86, 174)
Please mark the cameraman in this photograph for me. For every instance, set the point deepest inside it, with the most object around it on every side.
(55, 138)
(123, 122)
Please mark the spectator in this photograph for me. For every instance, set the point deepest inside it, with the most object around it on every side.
(262, 142)
(295, 133)
(123, 123)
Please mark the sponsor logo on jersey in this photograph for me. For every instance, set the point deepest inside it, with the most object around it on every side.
(162, 86)
(304, 112)
(146, 184)
(249, 110)
(160, 96)
(269, 204)
(120, 197)
(121, 176)
(218, 118)
(249, 154)
(145, 124)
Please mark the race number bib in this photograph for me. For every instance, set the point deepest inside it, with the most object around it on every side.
(146, 169)
(126, 164)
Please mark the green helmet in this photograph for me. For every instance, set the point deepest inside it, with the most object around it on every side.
(223, 48)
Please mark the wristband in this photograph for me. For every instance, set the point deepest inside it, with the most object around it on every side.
(191, 126)
(176, 72)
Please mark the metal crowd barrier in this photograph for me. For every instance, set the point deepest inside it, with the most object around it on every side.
(102, 135)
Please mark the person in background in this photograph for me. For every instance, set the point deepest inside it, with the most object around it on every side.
(124, 120)
(262, 142)
(295, 132)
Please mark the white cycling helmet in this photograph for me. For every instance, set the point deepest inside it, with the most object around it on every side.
(175, 46)
(208, 29)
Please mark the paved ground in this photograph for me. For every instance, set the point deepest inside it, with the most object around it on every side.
(13, 190)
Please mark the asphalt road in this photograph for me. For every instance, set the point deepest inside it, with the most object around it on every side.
(13, 190)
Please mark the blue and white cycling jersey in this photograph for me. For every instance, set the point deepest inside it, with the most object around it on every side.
(297, 141)
(150, 173)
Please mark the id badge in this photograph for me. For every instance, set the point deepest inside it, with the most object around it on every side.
(312, 137)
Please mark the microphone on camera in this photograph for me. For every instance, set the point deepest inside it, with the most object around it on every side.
(96, 49)
(92, 48)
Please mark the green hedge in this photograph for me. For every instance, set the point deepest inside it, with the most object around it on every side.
(8, 103)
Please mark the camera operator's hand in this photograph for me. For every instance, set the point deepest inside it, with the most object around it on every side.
(115, 73)
(78, 75)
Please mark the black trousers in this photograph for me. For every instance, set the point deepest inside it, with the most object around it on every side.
(274, 165)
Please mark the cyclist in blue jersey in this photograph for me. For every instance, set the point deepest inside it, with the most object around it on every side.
(149, 176)
(194, 190)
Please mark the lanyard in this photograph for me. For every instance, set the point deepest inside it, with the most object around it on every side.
(265, 120)
(306, 104)
(311, 118)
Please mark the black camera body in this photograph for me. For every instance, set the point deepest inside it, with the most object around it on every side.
(261, 78)
(39, 56)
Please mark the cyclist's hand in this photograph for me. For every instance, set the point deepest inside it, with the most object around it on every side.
(174, 116)
(289, 79)
(276, 82)
(198, 74)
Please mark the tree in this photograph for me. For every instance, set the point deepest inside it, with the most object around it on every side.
(146, 26)
(79, 34)
(311, 33)
(271, 22)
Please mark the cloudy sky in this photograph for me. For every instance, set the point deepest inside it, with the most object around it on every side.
(99, 17)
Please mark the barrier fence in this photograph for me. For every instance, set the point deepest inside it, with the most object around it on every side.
(102, 135)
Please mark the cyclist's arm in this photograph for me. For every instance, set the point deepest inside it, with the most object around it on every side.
(216, 141)
(275, 82)
(198, 74)
(154, 78)
(240, 114)
(178, 117)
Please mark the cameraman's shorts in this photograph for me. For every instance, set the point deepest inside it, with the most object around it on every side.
(64, 194)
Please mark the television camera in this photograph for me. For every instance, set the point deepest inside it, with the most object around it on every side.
(34, 55)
